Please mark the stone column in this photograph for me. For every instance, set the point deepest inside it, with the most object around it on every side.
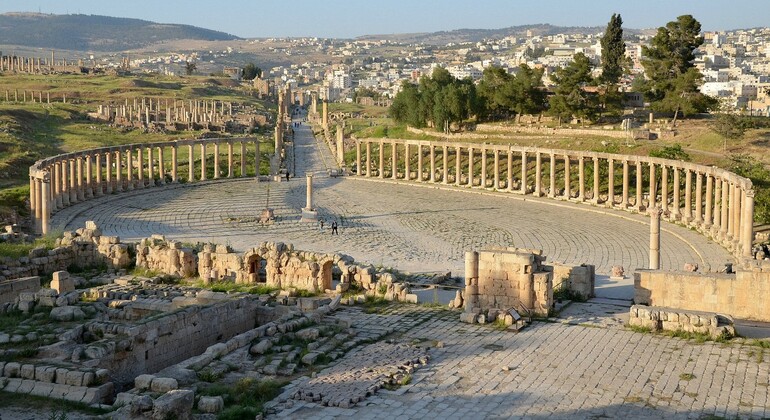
(552, 190)
(567, 186)
(359, 172)
(444, 167)
(687, 196)
(496, 169)
(655, 213)
(130, 169)
(523, 185)
(216, 159)
(731, 211)
(34, 201)
(57, 185)
(381, 163)
(624, 203)
(257, 158)
(699, 197)
(709, 201)
(653, 194)
(118, 172)
(139, 167)
(243, 159)
(581, 179)
(309, 192)
(509, 171)
(611, 183)
(203, 161)
(99, 183)
(675, 213)
(664, 189)
(419, 163)
(81, 188)
(73, 189)
(175, 163)
(748, 224)
(432, 151)
(368, 159)
(538, 174)
(639, 185)
(325, 115)
(407, 161)
(739, 200)
(45, 204)
(483, 182)
(89, 180)
(393, 160)
(597, 181)
(470, 166)
(723, 208)
(108, 172)
(150, 168)
(458, 170)
(190, 163)
(230, 159)
(161, 167)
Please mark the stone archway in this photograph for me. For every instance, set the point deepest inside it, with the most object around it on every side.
(255, 268)
(326, 275)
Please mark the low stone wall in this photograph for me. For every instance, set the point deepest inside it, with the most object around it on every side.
(10, 290)
(743, 295)
(668, 319)
(577, 279)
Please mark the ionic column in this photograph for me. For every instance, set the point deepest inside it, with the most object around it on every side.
(509, 171)
(368, 159)
(731, 211)
(610, 183)
(747, 237)
(393, 160)
(552, 190)
(444, 168)
(139, 167)
(432, 163)
(108, 173)
(699, 197)
(470, 166)
(567, 189)
(216, 159)
(581, 179)
(45, 204)
(81, 190)
(483, 168)
(675, 213)
(130, 169)
(381, 167)
(458, 171)
(57, 185)
(229, 159)
(34, 203)
(740, 197)
(639, 185)
(359, 172)
(407, 159)
(89, 180)
(150, 168)
(175, 163)
(723, 209)
(624, 203)
(653, 194)
(161, 167)
(309, 192)
(523, 185)
(99, 182)
(73, 182)
(597, 181)
(655, 238)
(496, 169)
(203, 161)
(709, 200)
(118, 171)
(191, 163)
(419, 163)
(687, 196)
(664, 188)
(538, 174)
(243, 159)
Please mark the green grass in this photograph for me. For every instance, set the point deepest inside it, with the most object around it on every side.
(245, 398)
(56, 408)
(686, 376)
(17, 250)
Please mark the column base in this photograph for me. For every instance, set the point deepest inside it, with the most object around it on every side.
(309, 215)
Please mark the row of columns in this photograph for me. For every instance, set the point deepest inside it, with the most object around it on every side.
(718, 202)
(64, 180)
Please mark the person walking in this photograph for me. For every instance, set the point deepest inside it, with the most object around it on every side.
(334, 228)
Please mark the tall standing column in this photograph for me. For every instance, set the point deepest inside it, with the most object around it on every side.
(359, 172)
(470, 166)
(57, 185)
(73, 182)
(309, 192)
(458, 169)
(597, 181)
(610, 182)
(203, 161)
(419, 162)
(709, 200)
(624, 203)
(381, 163)
(432, 152)
(655, 213)
(216, 159)
(243, 159)
(723, 209)
(639, 185)
(191, 163)
(150, 168)
(731, 211)
(393, 160)
(118, 172)
(523, 185)
(444, 165)
(229, 158)
(108, 173)
(99, 182)
(552, 187)
(407, 161)
(698, 197)
(483, 167)
(538, 174)
(45, 204)
(175, 163)
(34, 203)
(675, 213)
(509, 171)
(567, 180)
(161, 167)
(664, 188)
(139, 167)
(748, 224)
(581, 178)
(653, 194)
(496, 169)
(740, 198)
(687, 196)
(130, 169)
(368, 159)
(257, 158)
(88, 183)
(81, 186)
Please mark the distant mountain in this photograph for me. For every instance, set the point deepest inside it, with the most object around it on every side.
(475, 35)
(94, 33)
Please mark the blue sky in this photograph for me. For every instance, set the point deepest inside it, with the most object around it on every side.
(347, 18)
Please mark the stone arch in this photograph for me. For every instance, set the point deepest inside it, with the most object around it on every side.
(254, 268)
(326, 274)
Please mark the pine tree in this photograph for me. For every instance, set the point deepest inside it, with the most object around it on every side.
(613, 51)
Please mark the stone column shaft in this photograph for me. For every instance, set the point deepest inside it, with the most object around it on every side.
(444, 165)
(655, 238)
(407, 161)
(639, 186)
(687, 196)
(243, 159)
(611, 183)
(458, 170)
(359, 171)
(393, 160)
(108, 173)
(216, 159)
(747, 237)
(723, 208)
(653, 194)
(118, 172)
(496, 170)
(523, 185)
(677, 191)
(99, 181)
(698, 197)
(664, 189)
(432, 152)
(538, 174)
(624, 203)
(381, 163)
(581, 178)
(368, 159)
(309, 192)
(175, 163)
(203, 161)
(567, 180)
(470, 166)
(552, 187)
(597, 181)
(45, 203)
(709, 218)
(81, 188)
(57, 185)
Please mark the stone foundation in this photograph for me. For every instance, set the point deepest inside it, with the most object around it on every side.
(668, 319)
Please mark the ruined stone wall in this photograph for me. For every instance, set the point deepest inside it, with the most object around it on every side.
(165, 257)
(744, 295)
(180, 335)
(577, 279)
(11, 289)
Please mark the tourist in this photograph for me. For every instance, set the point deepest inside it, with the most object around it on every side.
(334, 228)
(321, 225)
(287, 176)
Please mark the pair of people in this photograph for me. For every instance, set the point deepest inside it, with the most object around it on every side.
(334, 226)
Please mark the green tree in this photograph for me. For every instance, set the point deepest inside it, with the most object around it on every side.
(527, 90)
(406, 104)
(570, 98)
(671, 83)
(613, 51)
(494, 93)
(251, 71)
(189, 67)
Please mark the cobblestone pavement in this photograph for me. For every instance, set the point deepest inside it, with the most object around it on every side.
(557, 370)
(415, 228)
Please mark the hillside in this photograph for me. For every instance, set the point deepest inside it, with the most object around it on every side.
(94, 33)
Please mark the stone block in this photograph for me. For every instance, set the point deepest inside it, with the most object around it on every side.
(74, 378)
(468, 317)
(163, 384)
(12, 370)
(143, 382)
(211, 405)
(42, 389)
(61, 375)
(176, 404)
(27, 371)
(62, 282)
